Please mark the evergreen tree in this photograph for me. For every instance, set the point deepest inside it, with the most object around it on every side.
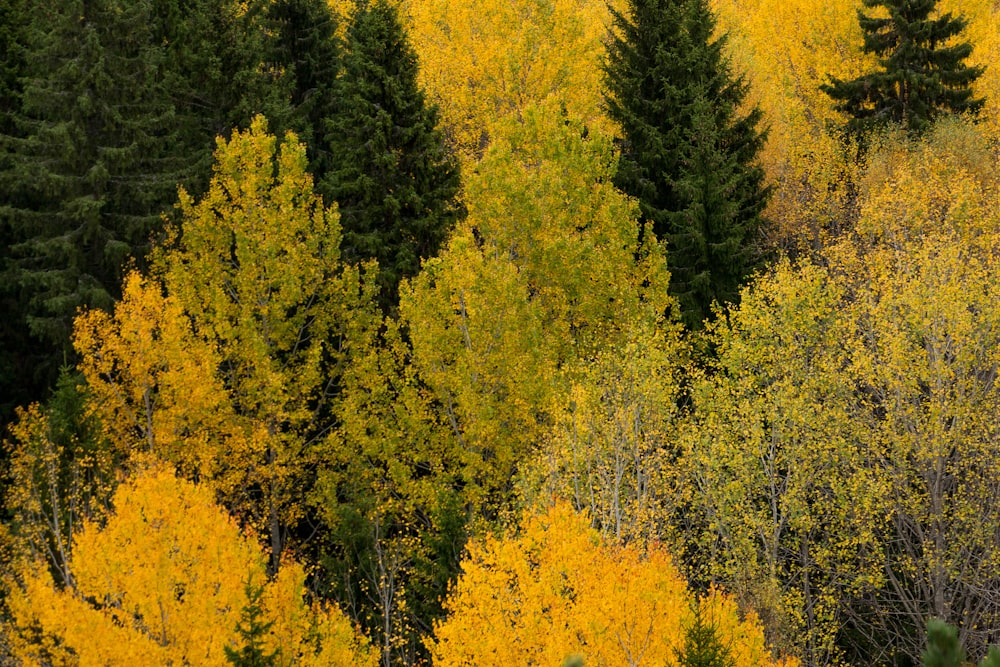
(992, 658)
(118, 103)
(84, 172)
(392, 177)
(921, 73)
(688, 155)
(702, 646)
(16, 377)
(943, 647)
(305, 48)
(252, 630)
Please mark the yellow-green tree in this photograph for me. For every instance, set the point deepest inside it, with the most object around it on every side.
(163, 582)
(227, 361)
(555, 590)
(546, 269)
(842, 447)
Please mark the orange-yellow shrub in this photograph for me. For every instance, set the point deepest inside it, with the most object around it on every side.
(556, 590)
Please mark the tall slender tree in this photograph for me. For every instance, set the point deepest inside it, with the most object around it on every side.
(393, 179)
(921, 74)
(688, 152)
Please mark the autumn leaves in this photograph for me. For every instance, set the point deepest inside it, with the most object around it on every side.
(824, 451)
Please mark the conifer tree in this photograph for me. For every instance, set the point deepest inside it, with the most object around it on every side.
(252, 629)
(117, 104)
(702, 646)
(943, 647)
(921, 72)
(688, 153)
(81, 163)
(305, 48)
(394, 181)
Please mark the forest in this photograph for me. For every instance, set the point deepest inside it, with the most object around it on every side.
(531, 332)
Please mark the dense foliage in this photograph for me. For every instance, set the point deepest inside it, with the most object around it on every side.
(294, 389)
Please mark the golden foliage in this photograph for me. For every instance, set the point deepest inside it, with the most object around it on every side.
(164, 582)
(555, 590)
(485, 63)
(841, 447)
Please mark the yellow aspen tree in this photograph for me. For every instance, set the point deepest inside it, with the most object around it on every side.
(487, 62)
(842, 448)
(58, 481)
(153, 384)
(784, 484)
(612, 448)
(925, 362)
(61, 471)
(547, 268)
(555, 590)
(787, 49)
(164, 582)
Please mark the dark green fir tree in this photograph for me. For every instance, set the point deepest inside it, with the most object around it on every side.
(84, 174)
(921, 73)
(702, 645)
(392, 177)
(689, 155)
(304, 48)
(252, 629)
(117, 103)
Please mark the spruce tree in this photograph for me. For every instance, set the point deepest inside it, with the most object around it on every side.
(392, 177)
(84, 175)
(688, 153)
(304, 46)
(702, 646)
(252, 629)
(118, 102)
(921, 72)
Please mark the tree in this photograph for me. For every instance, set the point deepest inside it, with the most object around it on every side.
(484, 63)
(555, 589)
(921, 71)
(943, 647)
(304, 50)
(702, 645)
(252, 629)
(84, 175)
(688, 151)
(164, 581)
(117, 104)
(226, 362)
(393, 180)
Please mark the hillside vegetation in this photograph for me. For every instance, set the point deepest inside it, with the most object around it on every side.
(500, 333)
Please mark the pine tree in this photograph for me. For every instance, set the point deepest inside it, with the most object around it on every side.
(394, 181)
(943, 647)
(702, 646)
(688, 155)
(921, 73)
